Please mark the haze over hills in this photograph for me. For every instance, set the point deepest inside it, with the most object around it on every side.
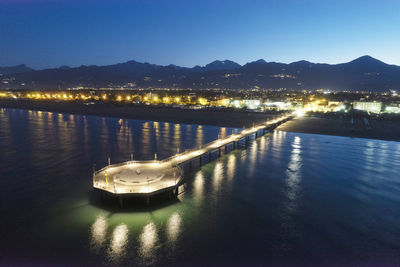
(364, 73)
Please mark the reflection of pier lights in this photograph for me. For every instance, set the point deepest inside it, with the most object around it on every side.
(293, 174)
(98, 232)
(198, 186)
(217, 174)
(148, 239)
(174, 227)
(118, 242)
(231, 166)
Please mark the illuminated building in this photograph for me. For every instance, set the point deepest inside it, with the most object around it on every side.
(372, 107)
(392, 109)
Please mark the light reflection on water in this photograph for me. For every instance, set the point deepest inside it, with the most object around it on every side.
(217, 176)
(293, 173)
(253, 157)
(293, 180)
(177, 136)
(174, 225)
(119, 242)
(263, 146)
(200, 136)
(231, 165)
(223, 133)
(369, 153)
(157, 131)
(98, 232)
(148, 240)
(198, 185)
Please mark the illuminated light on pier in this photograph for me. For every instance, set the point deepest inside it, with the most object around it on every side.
(135, 177)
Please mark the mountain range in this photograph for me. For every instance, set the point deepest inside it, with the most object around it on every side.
(364, 73)
(15, 69)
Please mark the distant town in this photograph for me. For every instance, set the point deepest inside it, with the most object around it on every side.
(256, 100)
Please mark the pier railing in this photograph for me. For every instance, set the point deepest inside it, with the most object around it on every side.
(124, 164)
(147, 187)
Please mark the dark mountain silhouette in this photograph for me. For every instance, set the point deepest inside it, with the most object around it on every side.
(367, 60)
(14, 69)
(260, 61)
(364, 73)
(222, 65)
(64, 67)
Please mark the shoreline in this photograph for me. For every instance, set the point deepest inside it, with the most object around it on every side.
(336, 126)
(380, 129)
(221, 118)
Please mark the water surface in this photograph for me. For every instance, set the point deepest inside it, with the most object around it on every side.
(287, 198)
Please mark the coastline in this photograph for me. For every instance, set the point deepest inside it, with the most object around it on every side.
(222, 118)
(380, 129)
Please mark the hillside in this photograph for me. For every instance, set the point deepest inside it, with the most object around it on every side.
(364, 73)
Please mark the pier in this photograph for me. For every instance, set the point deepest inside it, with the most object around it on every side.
(147, 178)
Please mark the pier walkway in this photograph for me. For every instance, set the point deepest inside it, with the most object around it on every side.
(146, 178)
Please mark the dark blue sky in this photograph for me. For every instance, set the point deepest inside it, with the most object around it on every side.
(49, 33)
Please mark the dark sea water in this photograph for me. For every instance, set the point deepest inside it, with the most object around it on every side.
(288, 198)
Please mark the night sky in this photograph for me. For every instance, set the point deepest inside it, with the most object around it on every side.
(51, 33)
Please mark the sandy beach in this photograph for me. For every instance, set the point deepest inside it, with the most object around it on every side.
(379, 129)
(223, 118)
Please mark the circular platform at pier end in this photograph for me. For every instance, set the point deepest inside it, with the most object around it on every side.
(138, 178)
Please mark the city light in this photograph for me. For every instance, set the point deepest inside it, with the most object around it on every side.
(300, 112)
(309, 102)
